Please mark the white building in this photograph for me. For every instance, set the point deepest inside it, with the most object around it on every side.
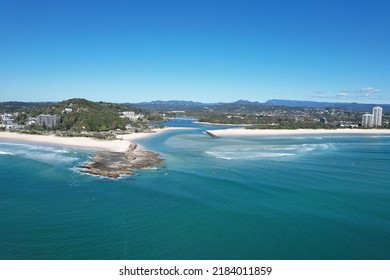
(377, 114)
(67, 110)
(374, 119)
(49, 121)
(7, 119)
(132, 115)
(368, 120)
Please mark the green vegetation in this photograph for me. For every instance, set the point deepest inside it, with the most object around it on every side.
(13, 106)
(290, 125)
(277, 117)
(78, 117)
(86, 115)
(153, 117)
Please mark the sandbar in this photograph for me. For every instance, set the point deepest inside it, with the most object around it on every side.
(286, 132)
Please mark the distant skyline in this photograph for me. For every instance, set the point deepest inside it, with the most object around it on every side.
(200, 50)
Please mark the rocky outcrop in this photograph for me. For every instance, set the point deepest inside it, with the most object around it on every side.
(115, 164)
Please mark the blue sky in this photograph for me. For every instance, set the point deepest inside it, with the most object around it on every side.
(201, 50)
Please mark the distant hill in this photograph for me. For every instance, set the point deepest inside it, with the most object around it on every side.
(246, 102)
(190, 105)
(13, 106)
(355, 107)
(171, 105)
(179, 105)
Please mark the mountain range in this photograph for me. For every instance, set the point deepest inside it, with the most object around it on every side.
(183, 105)
(188, 105)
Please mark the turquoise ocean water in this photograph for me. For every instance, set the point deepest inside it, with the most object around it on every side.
(296, 197)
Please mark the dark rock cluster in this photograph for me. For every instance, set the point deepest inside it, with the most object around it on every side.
(115, 164)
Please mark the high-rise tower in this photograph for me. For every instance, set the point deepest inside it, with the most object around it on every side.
(368, 120)
(377, 113)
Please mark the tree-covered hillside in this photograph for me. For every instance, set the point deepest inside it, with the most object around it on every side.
(90, 116)
(85, 115)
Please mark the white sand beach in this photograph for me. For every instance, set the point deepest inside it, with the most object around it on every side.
(286, 132)
(81, 142)
(119, 145)
(135, 136)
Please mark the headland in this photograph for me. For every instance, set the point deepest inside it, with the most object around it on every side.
(114, 158)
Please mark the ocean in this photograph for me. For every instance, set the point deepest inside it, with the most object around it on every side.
(296, 197)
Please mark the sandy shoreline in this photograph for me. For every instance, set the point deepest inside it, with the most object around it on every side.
(224, 124)
(287, 132)
(123, 141)
(119, 145)
(79, 142)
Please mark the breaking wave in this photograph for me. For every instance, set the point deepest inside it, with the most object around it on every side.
(43, 154)
(255, 152)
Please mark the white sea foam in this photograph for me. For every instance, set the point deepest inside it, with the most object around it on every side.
(52, 158)
(34, 147)
(44, 154)
(282, 149)
(253, 152)
(235, 156)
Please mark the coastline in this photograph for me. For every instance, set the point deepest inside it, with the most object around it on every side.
(78, 142)
(121, 144)
(154, 131)
(223, 124)
(287, 132)
(113, 159)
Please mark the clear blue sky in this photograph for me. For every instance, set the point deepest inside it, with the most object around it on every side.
(201, 50)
